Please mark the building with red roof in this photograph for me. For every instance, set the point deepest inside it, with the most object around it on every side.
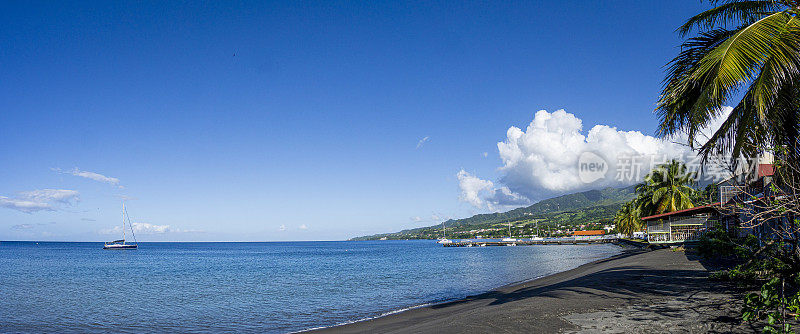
(588, 235)
(690, 224)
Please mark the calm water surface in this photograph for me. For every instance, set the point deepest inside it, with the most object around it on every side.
(251, 287)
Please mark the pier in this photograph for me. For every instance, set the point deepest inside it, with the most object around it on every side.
(529, 242)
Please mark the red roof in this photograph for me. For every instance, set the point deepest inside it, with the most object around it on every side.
(765, 170)
(762, 171)
(594, 232)
(701, 208)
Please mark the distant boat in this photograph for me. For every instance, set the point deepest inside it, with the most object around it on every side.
(510, 239)
(537, 238)
(443, 239)
(122, 244)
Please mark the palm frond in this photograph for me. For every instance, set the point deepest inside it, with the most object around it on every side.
(695, 98)
(732, 12)
(747, 125)
(675, 104)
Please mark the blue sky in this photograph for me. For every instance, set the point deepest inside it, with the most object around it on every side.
(298, 121)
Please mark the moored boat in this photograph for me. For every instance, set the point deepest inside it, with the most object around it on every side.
(119, 244)
(122, 244)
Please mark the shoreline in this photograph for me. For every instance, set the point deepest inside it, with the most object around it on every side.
(625, 247)
(409, 308)
(596, 296)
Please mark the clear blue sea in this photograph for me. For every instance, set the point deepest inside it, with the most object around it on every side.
(271, 287)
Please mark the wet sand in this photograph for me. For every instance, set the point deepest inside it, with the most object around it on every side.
(634, 292)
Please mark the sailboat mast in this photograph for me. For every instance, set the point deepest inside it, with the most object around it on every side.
(123, 223)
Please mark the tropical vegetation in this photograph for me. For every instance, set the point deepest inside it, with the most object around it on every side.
(627, 219)
(747, 54)
(741, 50)
(667, 188)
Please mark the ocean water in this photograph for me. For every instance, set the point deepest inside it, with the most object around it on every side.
(271, 287)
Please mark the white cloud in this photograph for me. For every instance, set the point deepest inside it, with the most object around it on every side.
(473, 189)
(90, 175)
(484, 193)
(22, 226)
(147, 228)
(51, 195)
(24, 205)
(541, 161)
(282, 228)
(422, 141)
(303, 227)
(39, 200)
(485, 154)
(416, 219)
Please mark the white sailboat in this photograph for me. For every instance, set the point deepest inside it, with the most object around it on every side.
(444, 239)
(122, 244)
(510, 239)
(537, 237)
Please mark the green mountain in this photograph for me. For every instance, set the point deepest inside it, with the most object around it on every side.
(556, 204)
(595, 207)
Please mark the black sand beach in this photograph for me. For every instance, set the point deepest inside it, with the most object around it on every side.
(635, 292)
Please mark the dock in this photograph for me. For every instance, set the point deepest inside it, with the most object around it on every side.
(529, 242)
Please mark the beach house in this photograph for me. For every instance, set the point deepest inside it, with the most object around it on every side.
(686, 226)
(682, 226)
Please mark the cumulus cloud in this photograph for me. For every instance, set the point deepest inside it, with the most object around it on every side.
(542, 160)
(416, 219)
(147, 228)
(282, 228)
(422, 141)
(303, 227)
(90, 175)
(473, 189)
(39, 200)
(484, 193)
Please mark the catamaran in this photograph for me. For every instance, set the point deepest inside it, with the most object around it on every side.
(122, 244)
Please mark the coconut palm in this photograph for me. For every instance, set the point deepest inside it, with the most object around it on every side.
(740, 49)
(666, 188)
(627, 219)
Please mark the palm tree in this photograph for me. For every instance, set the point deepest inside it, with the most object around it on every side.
(666, 188)
(627, 219)
(741, 48)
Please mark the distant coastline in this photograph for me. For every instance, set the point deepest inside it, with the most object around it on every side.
(553, 217)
